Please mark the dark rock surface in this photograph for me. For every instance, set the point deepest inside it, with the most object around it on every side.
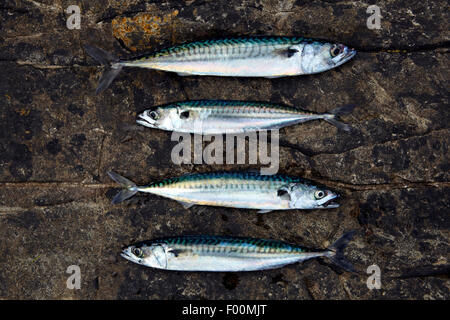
(58, 140)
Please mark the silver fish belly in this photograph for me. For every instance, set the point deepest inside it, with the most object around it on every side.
(244, 60)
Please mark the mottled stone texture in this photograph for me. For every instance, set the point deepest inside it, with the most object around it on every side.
(58, 139)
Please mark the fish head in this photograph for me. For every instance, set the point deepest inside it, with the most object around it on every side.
(172, 117)
(303, 196)
(150, 255)
(318, 57)
(158, 118)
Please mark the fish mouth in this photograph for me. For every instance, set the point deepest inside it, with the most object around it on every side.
(345, 56)
(330, 203)
(126, 254)
(144, 123)
(348, 54)
(145, 120)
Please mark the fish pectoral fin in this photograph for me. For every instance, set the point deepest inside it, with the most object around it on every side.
(186, 205)
(184, 114)
(283, 194)
(264, 210)
(287, 53)
(176, 252)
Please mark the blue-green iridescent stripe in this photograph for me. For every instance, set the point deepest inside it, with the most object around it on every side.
(226, 103)
(224, 241)
(230, 41)
(250, 176)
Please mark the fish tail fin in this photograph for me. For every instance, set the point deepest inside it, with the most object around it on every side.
(334, 115)
(112, 67)
(129, 187)
(336, 253)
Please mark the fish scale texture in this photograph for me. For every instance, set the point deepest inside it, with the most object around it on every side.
(225, 43)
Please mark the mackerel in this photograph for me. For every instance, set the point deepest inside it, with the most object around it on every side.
(221, 253)
(269, 57)
(248, 190)
(232, 117)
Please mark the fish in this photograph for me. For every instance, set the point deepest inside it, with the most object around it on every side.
(246, 190)
(233, 117)
(269, 57)
(229, 254)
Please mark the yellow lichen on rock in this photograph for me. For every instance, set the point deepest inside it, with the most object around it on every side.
(145, 25)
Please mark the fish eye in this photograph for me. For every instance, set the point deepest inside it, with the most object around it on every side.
(154, 115)
(137, 252)
(335, 50)
(319, 194)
